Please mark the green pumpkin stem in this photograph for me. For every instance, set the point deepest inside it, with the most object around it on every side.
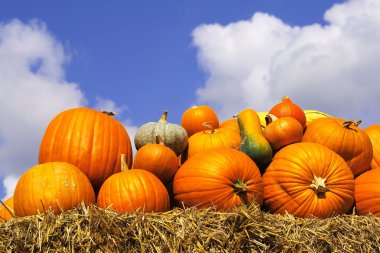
(109, 113)
(349, 123)
(6, 208)
(164, 116)
(124, 166)
(240, 187)
(319, 185)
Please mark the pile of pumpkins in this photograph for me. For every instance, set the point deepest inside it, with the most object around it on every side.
(286, 160)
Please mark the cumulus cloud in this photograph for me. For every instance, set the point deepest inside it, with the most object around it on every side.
(33, 90)
(332, 68)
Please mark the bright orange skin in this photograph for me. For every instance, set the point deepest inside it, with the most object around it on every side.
(282, 132)
(351, 143)
(230, 123)
(193, 119)
(367, 193)
(58, 185)
(4, 213)
(132, 190)
(373, 133)
(207, 180)
(158, 159)
(88, 139)
(288, 178)
(287, 108)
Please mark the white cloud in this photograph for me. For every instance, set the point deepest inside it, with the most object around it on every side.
(332, 68)
(33, 90)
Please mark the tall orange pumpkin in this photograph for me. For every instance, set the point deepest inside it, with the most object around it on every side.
(56, 185)
(88, 139)
(6, 210)
(308, 179)
(367, 193)
(194, 117)
(373, 132)
(287, 108)
(221, 178)
(343, 137)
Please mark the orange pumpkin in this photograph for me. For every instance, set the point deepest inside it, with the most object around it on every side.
(193, 119)
(308, 179)
(56, 185)
(343, 137)
(367, 193)
(6, 210)
(282, 132)
(221, 178)
(287, 108)
(133, 190)
(158, 159)
(230, 123)
(213, 138)
(373, 133)
(88, 139)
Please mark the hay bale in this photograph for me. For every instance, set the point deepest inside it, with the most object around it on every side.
(243, 229)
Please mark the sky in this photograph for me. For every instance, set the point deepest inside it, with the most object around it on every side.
(138, 58)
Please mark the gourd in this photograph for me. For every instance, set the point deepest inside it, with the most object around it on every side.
(373, 132)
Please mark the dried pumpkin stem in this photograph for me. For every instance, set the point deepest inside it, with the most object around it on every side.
(319, 185)
(124, 166)
(240, 187)
(159, 140)
(206, 124)
(109, 113)
(164, 116)
(349, 123)
(6, 208)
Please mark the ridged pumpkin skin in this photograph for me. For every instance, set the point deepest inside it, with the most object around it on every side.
(4, 212)
(214, 138)
(373, 133)
(58, 185)
(220, 178)
(253, 142)
(193, 119)
(308, 179)
(343, 137)
(134, 190)
(174, 136)
(367, 193)
(231, 124)
(88, 139)
(287, 108)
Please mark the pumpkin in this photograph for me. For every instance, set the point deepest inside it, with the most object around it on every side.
(213, 138)
(287, 108)
(221, 178)
(133, 190)
(230, 123)
(57, 185)
(6, 210)
(367, 193)
(158, 159)
(194, 117)
(373, 133)
(345, 138)
(308, 179)
(90, 140)
(173, 135)
(282, 132)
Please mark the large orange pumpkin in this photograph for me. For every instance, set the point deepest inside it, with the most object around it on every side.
(133, 189)
(308, 179)
(367, 193)
(343, 137)
(193, 119)
(287, 108)
(221, 178)
(6, 210)
(373, 132)
(88, 139)
(56, 185)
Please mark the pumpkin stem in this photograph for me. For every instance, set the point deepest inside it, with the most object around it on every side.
(124, 166)
(206, 124)
(7, 208)
(109, 113)
(164, 116)
(349, 123)
(285, 98)
(159, 140)
(319, 185)
(240, 187)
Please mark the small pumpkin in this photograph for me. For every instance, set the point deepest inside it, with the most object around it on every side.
(174, 136)
(307, 179)
(287, 108)
(367, 193)
(345, 138)
(133, 190)
(56, 185)
(89, 139)
(194, 117)
(373, 132)
(6, 210)
(230, 123)
(282, 132)
(221, 178)
(158, 159)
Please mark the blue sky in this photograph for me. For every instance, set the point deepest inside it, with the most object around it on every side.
(140, 57)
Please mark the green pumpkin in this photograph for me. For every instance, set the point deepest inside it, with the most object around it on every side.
(174, 136)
